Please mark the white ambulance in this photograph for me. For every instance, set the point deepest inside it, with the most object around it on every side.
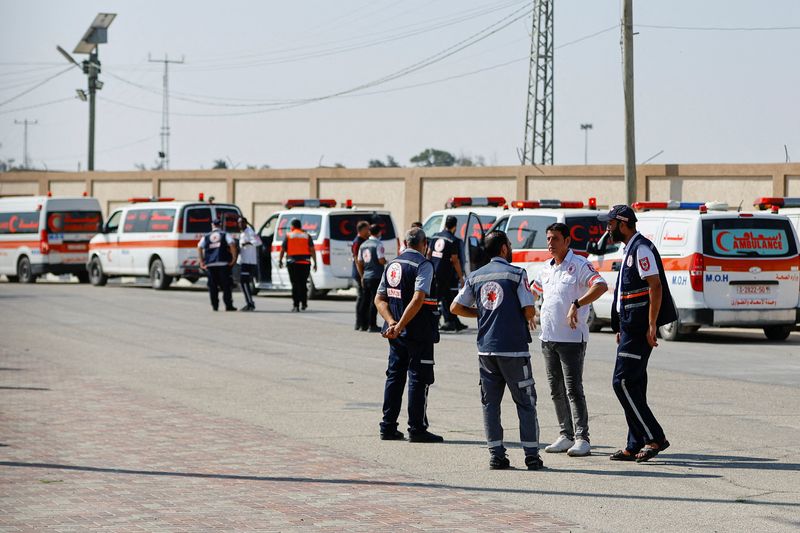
(526, 223)
(42, 234)
(789, 207)
(155, 237)
(725, 269)
(474, 215)
(333, 230)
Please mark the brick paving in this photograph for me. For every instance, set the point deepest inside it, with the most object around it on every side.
(85, 455)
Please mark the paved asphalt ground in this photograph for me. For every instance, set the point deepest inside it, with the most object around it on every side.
(127, 409)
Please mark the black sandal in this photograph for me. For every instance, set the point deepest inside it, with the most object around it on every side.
(648, 452)
(620, 455)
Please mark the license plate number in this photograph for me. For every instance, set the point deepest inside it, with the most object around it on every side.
(753, 289)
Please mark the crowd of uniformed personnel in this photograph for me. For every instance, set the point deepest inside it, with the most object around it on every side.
(425, 283)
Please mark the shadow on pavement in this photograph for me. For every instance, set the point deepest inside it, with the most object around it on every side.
(21, 388)
(726, 461)
(381, 483)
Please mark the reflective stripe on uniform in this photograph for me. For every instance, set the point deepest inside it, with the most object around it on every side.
(496, 275)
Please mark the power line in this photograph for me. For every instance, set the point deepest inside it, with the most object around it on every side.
(35, 106)
(26, 91)
(719, 28)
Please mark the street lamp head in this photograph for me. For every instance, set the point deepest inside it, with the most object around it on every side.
(81, 94)
(586, 126)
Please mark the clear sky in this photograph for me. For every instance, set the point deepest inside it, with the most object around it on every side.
(716, 81)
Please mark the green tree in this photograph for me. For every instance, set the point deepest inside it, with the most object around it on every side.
(377, 163)
(220, 163)
(431, 157)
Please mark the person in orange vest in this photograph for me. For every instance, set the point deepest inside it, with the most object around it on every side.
(298, 246)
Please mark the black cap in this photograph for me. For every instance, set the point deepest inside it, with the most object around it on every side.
(619, 212)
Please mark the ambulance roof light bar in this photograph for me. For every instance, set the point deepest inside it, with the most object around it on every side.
(674, 204)
(309, 202)
(475, 201)
(545, 204)
(776, 201)
(138, 200)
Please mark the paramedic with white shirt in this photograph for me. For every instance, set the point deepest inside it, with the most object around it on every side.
(249, 242)
(568, 283)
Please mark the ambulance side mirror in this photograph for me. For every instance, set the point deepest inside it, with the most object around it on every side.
(599, 247)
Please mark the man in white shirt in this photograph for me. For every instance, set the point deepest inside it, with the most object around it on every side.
(248, 262)
(568, 283)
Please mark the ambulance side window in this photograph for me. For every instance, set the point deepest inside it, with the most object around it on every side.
(433, 225)
(136, 221)
(268, 229)
(500, 225)
(198, 220)
(674, 234)
(113, 222)
(650, 228)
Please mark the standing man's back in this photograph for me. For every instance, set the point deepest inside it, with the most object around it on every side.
(445, 254)
(499, 297)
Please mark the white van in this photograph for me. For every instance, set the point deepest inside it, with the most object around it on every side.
(333, 230)
(42, 234)
(726, 269)
(155, 237)
(526, 223)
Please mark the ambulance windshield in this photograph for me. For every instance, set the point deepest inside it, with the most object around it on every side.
(748, 237)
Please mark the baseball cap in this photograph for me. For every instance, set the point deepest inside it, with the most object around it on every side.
(619, 212)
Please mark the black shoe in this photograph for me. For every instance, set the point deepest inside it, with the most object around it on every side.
(304, 306)
(358, 327)
(392, 435)
(373, 329)
(248, 307)
(231, 308)
(295, 309)
(363, 328)
(620, 455)
(447, 327)
(424, 436)
(461, 327)
(499, 463)
(215, 309)
(534, 462)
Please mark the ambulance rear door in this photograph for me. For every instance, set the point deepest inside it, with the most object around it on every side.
(474, 255)
(751, 263)
(70, 225)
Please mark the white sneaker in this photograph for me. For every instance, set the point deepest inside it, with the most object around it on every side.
(560, 446)
(580, 449)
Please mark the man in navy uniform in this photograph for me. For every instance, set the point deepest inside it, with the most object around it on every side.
(362, 234)
(642, 303)
(445, 254)
(370, 263)
(217, 252)
(405, 301)
(498, 295)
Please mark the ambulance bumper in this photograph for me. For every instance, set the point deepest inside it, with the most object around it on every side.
(39, 269)
(745, 318)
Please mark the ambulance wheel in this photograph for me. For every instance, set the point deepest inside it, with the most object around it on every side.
(313, 292)
(96, 276)
(777, 333)
(672, 331)
(25, 271)
(159, 279)
(595, 325)
(83, 277)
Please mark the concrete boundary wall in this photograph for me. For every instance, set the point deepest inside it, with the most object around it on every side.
(411, 193)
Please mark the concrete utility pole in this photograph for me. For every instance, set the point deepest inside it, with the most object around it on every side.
(25, 123)
(538, 144)
(627, 68)
(586, 128)
(164, 153)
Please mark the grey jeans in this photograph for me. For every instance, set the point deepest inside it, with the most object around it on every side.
(563, 362)
(497, 372)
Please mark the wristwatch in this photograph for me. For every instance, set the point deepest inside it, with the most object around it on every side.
(576, 304)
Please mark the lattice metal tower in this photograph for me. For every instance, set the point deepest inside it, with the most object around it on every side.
(539, 116)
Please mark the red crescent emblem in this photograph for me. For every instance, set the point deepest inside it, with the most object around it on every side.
(343, 227)
(719, 241)
(520, 237)
(11, 228)
(572, 231)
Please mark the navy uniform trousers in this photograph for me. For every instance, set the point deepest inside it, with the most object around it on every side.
(630, 385)
(413, 359)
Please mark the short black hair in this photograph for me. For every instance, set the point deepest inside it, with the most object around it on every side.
(361, 225)
(374, 229)
(416, 224)
(450, 222)
(494, 242)
(296, 223)
(560, 227)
